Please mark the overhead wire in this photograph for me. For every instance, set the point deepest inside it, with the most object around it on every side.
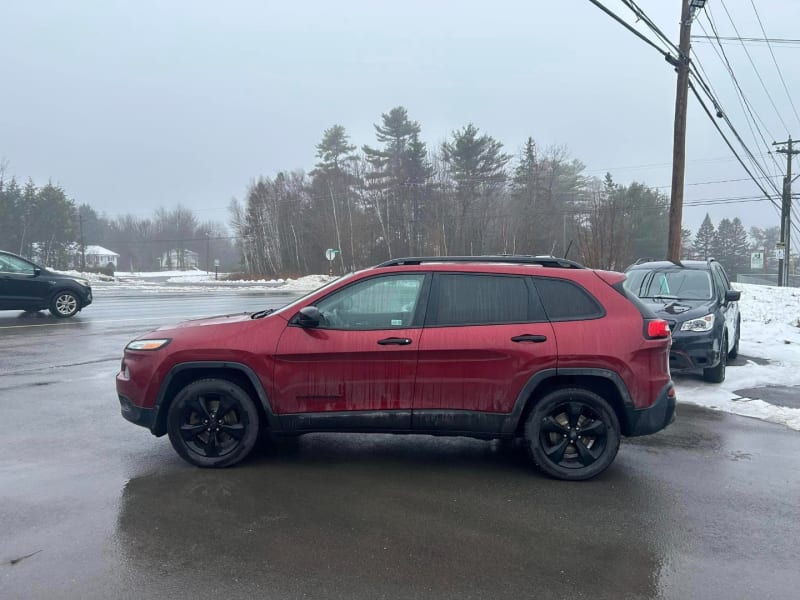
(775, 61)
(752, 62)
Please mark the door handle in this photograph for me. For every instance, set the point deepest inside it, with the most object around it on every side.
(394, 341)
(536, 339)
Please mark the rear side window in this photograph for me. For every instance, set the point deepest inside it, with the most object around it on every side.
(566, 301)
(472, 299)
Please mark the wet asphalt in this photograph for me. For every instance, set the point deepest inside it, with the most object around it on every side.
(94, 507)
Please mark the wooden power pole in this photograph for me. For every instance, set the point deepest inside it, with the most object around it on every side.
(786, 212)
(679, 140)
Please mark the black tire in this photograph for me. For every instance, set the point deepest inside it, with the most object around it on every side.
(716, 374)
(735, 350)
(213, 423)
(553, 440)
(65, 304)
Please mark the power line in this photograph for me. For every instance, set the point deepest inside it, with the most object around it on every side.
(748, 40)
(640, 14)
(727, 141)
(775, 60)
(747, 107)
(632, 29)
(752, 63)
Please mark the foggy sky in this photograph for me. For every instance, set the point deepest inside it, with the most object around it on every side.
(134, 105)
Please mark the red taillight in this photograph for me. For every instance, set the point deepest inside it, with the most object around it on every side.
(657, 328)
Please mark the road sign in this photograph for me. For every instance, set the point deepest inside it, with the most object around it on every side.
(331, 253)
(756, 261)
(216, 262)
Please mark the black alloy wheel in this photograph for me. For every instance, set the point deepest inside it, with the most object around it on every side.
(572, 434)
(213, 423)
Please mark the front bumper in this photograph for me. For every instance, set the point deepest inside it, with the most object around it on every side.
(146, 417)
(656, 417)
(691, 351)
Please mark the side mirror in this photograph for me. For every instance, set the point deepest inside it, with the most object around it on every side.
(732, 296)
(36, 271)
(309, 317)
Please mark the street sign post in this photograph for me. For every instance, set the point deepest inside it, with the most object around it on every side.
(330, 254)
(216, 268)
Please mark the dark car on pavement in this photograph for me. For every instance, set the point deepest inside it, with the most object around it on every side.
(495, 347)
(702, 309)
(24, 285)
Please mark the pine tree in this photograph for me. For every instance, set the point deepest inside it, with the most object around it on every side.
(740, 259)
(722, 244)
(703, 241)
(476, 162)
(396, 180)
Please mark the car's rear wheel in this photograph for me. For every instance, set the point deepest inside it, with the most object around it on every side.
(572, 434)
(213, 423)
(716, 374)
(64, 304)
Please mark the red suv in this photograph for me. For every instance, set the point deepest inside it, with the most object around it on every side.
(538, 348)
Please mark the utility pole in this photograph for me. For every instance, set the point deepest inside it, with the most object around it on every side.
(786, 212)
(688, 9)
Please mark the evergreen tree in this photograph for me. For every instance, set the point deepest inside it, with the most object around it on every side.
(740, 249)
(476, 163)
(333, 196)
(396, 179)
(722, 244)
(704, 239)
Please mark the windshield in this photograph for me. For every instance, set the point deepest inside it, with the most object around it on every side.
(680, 284)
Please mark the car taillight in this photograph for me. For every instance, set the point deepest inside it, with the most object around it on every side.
(657, 328)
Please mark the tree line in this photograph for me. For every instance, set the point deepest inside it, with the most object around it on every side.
(44, 224)
(392, 197)
(467, 196)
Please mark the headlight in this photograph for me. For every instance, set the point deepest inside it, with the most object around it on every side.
(147, 344)
(702, 324)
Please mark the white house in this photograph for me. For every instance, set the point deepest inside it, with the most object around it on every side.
(96, 256)
(171, 259)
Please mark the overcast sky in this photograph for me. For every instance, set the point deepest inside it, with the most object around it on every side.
(134, 105)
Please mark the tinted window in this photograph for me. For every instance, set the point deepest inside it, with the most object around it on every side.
(379, 303)
(12, 264)
(565, 301)
(467, 299)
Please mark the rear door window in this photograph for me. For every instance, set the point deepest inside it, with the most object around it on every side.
(566, 301)
(477, 299)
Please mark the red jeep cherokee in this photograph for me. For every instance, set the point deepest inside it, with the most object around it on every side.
(538, 348)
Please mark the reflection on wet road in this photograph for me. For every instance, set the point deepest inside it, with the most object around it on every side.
(93, 507)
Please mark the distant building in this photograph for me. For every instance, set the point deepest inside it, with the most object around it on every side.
(184, 259)
(96, 256)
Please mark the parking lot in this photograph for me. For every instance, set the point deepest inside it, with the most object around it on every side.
(94, 507)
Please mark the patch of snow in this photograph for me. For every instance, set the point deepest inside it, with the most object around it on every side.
(769, 332)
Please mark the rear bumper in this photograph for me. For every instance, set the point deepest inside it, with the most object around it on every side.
(654, 418)
(146, 417)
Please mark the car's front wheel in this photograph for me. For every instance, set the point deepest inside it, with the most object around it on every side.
(64, 304)
(735, 350)
(213, 423)
(716, 374)
(572, 434)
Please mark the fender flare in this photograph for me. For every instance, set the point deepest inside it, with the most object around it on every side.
(272, 419)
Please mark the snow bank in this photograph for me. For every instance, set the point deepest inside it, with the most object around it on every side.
(770, 344)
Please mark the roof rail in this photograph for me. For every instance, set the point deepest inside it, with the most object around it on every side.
(520, 259)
